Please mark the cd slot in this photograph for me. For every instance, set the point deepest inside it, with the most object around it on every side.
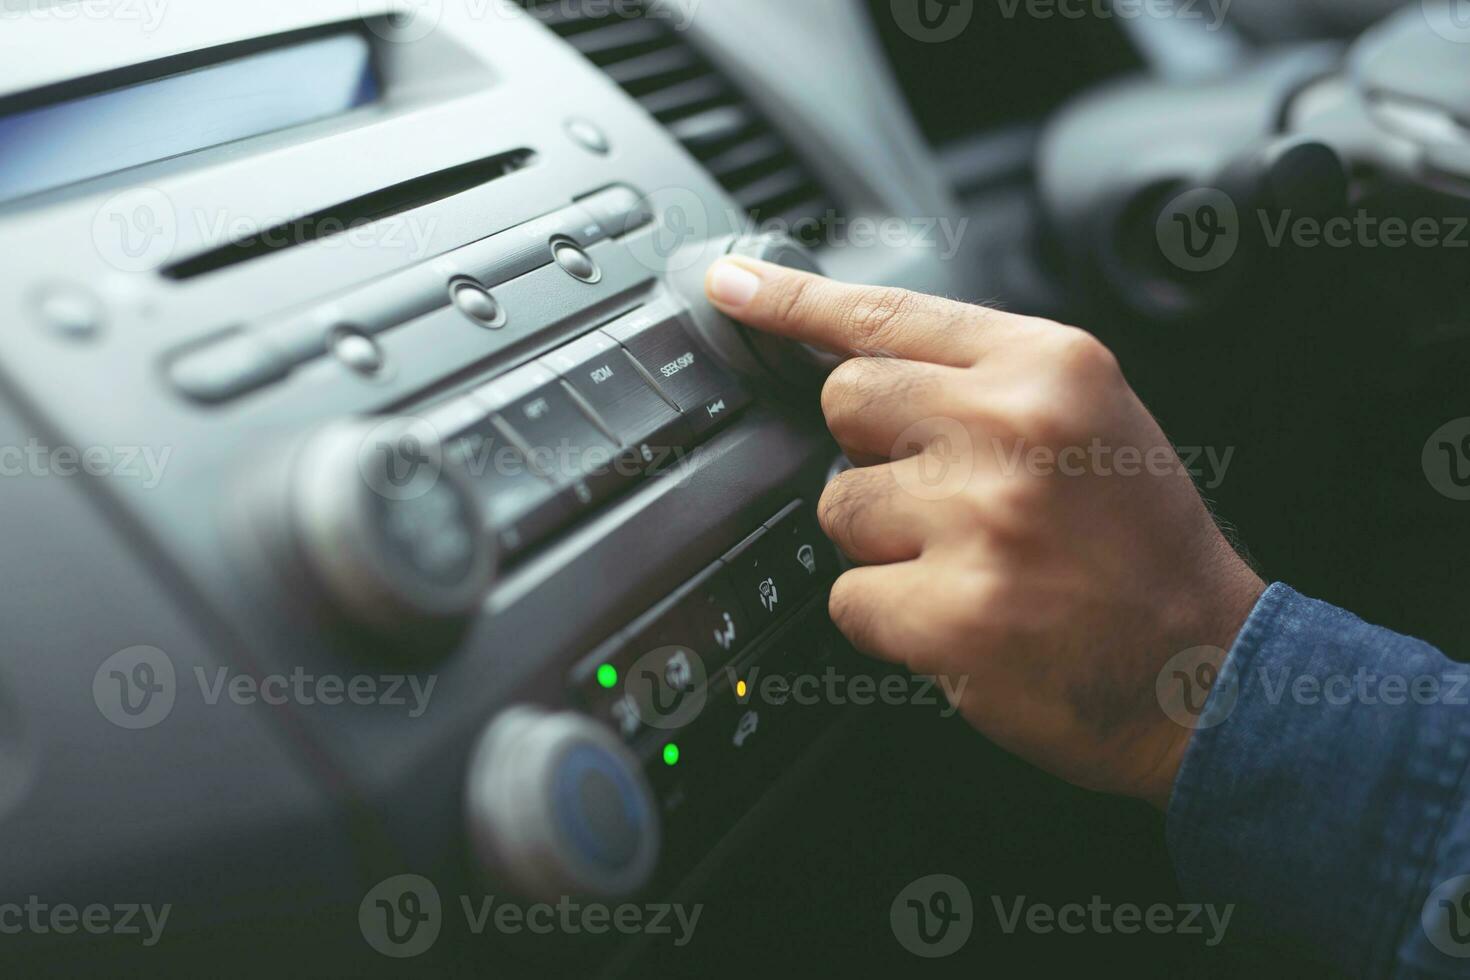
(349, 215)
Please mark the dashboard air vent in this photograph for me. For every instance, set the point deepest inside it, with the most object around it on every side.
(702, 109)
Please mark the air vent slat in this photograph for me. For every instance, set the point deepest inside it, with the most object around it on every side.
(564, 18)
(680, 88)
(629, 35)
(706, 132)
(765, 152)
(782, 184)
(807, 219)
(638, 72)
(685, 98)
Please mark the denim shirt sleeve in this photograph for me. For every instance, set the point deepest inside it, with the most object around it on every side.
(1327, 801)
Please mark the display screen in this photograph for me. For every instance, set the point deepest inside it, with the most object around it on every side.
(62, 143)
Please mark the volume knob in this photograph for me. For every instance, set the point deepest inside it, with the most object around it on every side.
(793, 363)
(389, 530)
(556, 806)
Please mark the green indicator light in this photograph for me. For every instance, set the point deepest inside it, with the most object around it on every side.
(671, 754)
(607, 676)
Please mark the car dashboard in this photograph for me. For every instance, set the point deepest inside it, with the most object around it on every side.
(424, 472)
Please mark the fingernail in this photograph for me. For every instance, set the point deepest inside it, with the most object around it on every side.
(732, 285)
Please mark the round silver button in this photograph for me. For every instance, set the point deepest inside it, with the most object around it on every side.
(575, 262)
(358, 351)
(70, 312)
(475, 302)
(589, 136)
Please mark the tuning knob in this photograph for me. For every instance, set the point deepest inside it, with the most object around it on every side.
(794, 363)
(389, 531)
(556, 805)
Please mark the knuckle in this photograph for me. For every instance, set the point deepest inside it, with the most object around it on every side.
(1011, 505)
(962, 610)
(860, 384)
(842, 393)
(848, 612)
(840, 505)
(1080, 354)
(1045, 422)
(874, 317)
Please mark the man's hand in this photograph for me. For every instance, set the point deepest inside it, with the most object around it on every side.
(1022, 520)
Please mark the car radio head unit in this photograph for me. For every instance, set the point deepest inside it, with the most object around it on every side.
(422, 340)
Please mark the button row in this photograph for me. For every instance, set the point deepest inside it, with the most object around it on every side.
(556, 437)
(638, 679)
(265, 353)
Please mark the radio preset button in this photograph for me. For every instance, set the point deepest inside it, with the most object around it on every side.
(69, 312)
(605, 376)
(561, 441)
(689, 376)
(589, 136)
(357, 351)
(475, 302)
(575, 261)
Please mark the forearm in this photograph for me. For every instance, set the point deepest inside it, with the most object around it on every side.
(1328, 801)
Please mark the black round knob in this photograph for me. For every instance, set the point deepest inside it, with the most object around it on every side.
(794, 363)
(388, 529)
(556, 805)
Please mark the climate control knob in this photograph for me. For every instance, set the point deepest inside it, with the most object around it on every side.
(794, 363)
(556, 805)
(389, 531)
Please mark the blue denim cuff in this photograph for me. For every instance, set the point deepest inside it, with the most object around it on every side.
(1325, 800)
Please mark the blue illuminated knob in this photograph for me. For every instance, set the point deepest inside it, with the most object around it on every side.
(557, 806)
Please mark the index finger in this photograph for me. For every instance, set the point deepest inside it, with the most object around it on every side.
(873, 321)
